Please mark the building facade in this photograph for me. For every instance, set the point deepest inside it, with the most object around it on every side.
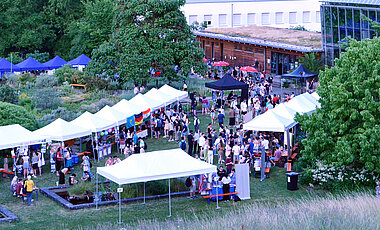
(342, 19)
(273, 57)
(237, 13)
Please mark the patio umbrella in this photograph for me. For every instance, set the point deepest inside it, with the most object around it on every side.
(205, 60)
(221, 63)
(248, 69)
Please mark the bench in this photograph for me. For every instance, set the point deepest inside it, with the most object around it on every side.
(78, 85)
(82, 153)
(10, 173)
(293, 156)
(208, 197)
(77, 100)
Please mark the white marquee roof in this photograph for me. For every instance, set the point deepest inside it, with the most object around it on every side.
(284, 111)
(146, 102)
(155, 165)
(174, 93)
(61, 130)
(301, 105)
(112, 114)
(15, 135)
(95, 123)
(128, 108)
(271, 122)
(166, 99)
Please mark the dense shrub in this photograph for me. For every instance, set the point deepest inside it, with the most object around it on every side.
(8, 94)
(96, 106)
(26, 78)
(15, 114)
(61, 112)
(46, 98)
(67, 73)
(44, 81)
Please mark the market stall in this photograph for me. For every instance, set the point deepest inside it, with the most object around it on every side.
(157, 165)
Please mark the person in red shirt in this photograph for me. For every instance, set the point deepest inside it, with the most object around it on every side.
(58, 161)
(275, 99)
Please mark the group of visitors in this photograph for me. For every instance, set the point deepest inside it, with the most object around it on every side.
(23, 188)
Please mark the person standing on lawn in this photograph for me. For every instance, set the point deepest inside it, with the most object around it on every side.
(29, 185)
(221, 118)
(182, 144)
(190, 141)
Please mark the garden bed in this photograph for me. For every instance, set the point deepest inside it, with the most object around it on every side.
(59, 194)
(7, 216)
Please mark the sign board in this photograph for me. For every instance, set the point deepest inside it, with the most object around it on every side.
(242, 181)
(119, 190)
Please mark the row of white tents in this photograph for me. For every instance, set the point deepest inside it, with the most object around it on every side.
(282, 117)
(124, 112)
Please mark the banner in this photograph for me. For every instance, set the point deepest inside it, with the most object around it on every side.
(242, 181)
(138, 118)
(130, 121)
(146, 115)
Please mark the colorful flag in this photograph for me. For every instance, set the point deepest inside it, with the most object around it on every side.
(130, 121)
(138, 118)
(146, 115)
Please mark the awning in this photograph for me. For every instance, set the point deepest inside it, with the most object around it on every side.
(15, 135)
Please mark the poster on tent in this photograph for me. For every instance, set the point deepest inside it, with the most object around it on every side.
(242, 181)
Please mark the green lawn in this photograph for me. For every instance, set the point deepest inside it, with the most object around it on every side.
(46, 214)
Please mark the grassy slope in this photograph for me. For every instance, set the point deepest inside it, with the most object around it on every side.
(46, 214)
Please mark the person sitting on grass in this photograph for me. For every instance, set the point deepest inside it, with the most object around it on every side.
(72, 180)
(116, 160)
(86, 177)
(109, 161)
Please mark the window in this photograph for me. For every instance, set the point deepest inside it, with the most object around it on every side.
(265, 19)
(318, 16)
(207, 19)
(293, 18)
(238, 47)
(279, 17)
(222, 19)
(251, 19)
(237, 19)
(306, 17)
(192, 19)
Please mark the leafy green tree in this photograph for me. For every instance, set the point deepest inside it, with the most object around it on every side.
(41, 57)
(23, 26)
(346, 130)
(94, 28)
(8, 94)
(312, 62)
(15, 114)
(148, 35)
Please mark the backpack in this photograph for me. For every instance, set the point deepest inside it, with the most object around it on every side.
(183, 145)
(188, 182)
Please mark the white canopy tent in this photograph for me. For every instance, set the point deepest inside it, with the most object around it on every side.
(174, 93)
(270, 121)
(301, 105)
(311, 99)
(166, 99)
(157, 165)
(284, 111)
(95, 123)
(15, 135)
(61, 130)
(316, 96)
(112, 114)
(128, 108)
(146, 102)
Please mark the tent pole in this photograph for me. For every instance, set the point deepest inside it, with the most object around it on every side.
(288, 142)
(92, 140)
(217, 195)
(117, 139)
(80, 144)
(97, 191)
(144, 194)
(119, 206)
(170, 201)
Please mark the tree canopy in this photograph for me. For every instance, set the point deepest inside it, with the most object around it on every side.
(346, 130)
(148, 35)
(14, 114)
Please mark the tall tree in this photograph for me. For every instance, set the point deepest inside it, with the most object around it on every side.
(148, 35)
(346, 130)
(94, 28)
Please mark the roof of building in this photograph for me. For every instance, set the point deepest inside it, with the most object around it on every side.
(302, 41)
(364, 2)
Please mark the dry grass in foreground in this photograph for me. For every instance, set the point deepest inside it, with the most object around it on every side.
(352, 211)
